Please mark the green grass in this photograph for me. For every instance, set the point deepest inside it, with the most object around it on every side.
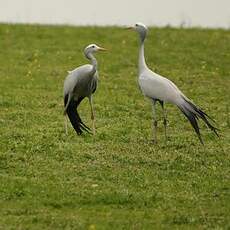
(117, 179)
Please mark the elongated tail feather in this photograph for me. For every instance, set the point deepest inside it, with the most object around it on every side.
(204, 116)
(192, 118)
(74, 117)
(193, 113)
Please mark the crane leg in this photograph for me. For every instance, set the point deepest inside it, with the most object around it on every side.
(92, 114)
(165, 119)
(67, 103)
(66, 125)
(154, 121)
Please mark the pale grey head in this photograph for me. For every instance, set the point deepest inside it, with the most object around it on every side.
(141, 29)
(92, 48)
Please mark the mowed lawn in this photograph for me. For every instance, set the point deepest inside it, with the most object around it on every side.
(117, 179)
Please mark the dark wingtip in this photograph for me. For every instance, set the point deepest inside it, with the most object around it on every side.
(84, 127)
(214, 129)
(204, 116)
(74, 117)
(192, 119)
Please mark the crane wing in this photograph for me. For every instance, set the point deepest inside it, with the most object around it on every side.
(157, 87)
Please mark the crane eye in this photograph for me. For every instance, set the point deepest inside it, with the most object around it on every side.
(93, 46)
(136, 24)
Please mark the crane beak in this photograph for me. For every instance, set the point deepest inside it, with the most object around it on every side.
(102, 49)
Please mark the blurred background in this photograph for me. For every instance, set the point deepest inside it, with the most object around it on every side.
(177, 13)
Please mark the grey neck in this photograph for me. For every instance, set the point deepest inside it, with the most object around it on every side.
(93, 62)
(141, 62)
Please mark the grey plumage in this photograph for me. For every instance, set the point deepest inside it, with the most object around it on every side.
(81, 83)
(158, 88)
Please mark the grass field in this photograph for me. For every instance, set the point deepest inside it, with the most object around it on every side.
(117, 179)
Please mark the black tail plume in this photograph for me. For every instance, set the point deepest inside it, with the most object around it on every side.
(192, 118)
(74, 117)
(193, 113)
(204, 116)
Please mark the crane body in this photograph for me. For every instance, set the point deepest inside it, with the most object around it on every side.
(160, 89)
(80, 83)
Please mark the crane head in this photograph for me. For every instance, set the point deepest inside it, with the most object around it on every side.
(92, 48)
(141, 29)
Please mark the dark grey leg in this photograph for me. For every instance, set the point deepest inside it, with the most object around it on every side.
(165, 119)
(154, 121)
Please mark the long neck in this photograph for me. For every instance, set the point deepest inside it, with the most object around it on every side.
(93, 62)
(141, 62)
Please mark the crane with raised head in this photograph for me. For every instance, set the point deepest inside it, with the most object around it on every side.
(160, 89)
(80, 83)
